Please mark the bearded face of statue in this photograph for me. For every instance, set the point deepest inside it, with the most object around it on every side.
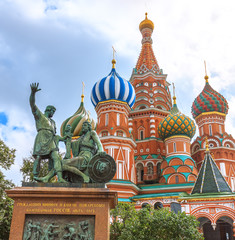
(86, 127)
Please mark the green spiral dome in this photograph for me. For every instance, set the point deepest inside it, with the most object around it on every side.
(76, 121)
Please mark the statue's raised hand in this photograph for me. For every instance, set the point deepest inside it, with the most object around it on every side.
(34, 88)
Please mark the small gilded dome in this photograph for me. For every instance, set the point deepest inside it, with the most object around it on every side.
(209, 100)
(146, 23)
(76, 121)
(176, 123)
(113, 87)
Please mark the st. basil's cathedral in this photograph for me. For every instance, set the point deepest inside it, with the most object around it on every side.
(150, 140)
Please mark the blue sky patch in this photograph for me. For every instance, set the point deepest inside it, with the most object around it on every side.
(3, 118)
(51, 7)
(15, 128)
(214, 74)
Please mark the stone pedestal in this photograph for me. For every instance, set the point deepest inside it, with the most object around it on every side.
(42, 212)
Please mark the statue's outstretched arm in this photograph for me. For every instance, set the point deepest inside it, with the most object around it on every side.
(34, 89)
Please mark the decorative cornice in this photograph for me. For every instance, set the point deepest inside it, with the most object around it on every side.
(210, 113)
(177, 136)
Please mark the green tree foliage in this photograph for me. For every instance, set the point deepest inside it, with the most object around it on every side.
(7, 157)
(148, 224)
(27, 168)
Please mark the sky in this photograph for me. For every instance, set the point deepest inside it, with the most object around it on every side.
(62, 43)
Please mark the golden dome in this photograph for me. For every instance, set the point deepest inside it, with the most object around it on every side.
(146, 23)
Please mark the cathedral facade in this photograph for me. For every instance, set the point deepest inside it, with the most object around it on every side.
(150, 140)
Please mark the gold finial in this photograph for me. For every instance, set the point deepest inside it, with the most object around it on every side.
(207, 145)
(83, 86)
(206, 77)
(113, 61)
(174, 97)
(146, 23)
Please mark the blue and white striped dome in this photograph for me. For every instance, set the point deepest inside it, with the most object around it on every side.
(113, 87)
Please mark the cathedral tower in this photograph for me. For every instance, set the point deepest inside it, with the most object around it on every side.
(176, 130)
(113, 98)
(209, 110)
(153, 102)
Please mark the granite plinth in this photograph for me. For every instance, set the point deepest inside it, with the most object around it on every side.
(73, 205)
(67, 185)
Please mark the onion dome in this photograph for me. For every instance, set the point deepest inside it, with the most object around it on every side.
(113, 87)
(146, 23)
(76, 121)
(209, 101)
(176, 123)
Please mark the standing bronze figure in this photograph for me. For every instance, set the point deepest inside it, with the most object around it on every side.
(45, 145)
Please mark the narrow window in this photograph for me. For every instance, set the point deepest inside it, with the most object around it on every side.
(184, 147)
(220, 129)
(118, 119)
(106, 119)
(222, 169)
(176, 179)
(232, 183)
(128, 158)
(150, 168)
(120, 171)
(210, 130)
(174, 146)
(142, 175)
(141, 134)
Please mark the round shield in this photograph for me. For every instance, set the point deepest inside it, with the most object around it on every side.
(101, 168)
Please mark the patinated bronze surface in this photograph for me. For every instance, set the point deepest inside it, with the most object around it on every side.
(45, 142)
(101, 168)
(53, 227)
(88, 162)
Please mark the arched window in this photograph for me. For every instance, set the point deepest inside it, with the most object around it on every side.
(104, 133)
(141, 134)
(120, 133)
(144, 205)
(175, 207)
(150, 168)
(158, 205)
(140, 172)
